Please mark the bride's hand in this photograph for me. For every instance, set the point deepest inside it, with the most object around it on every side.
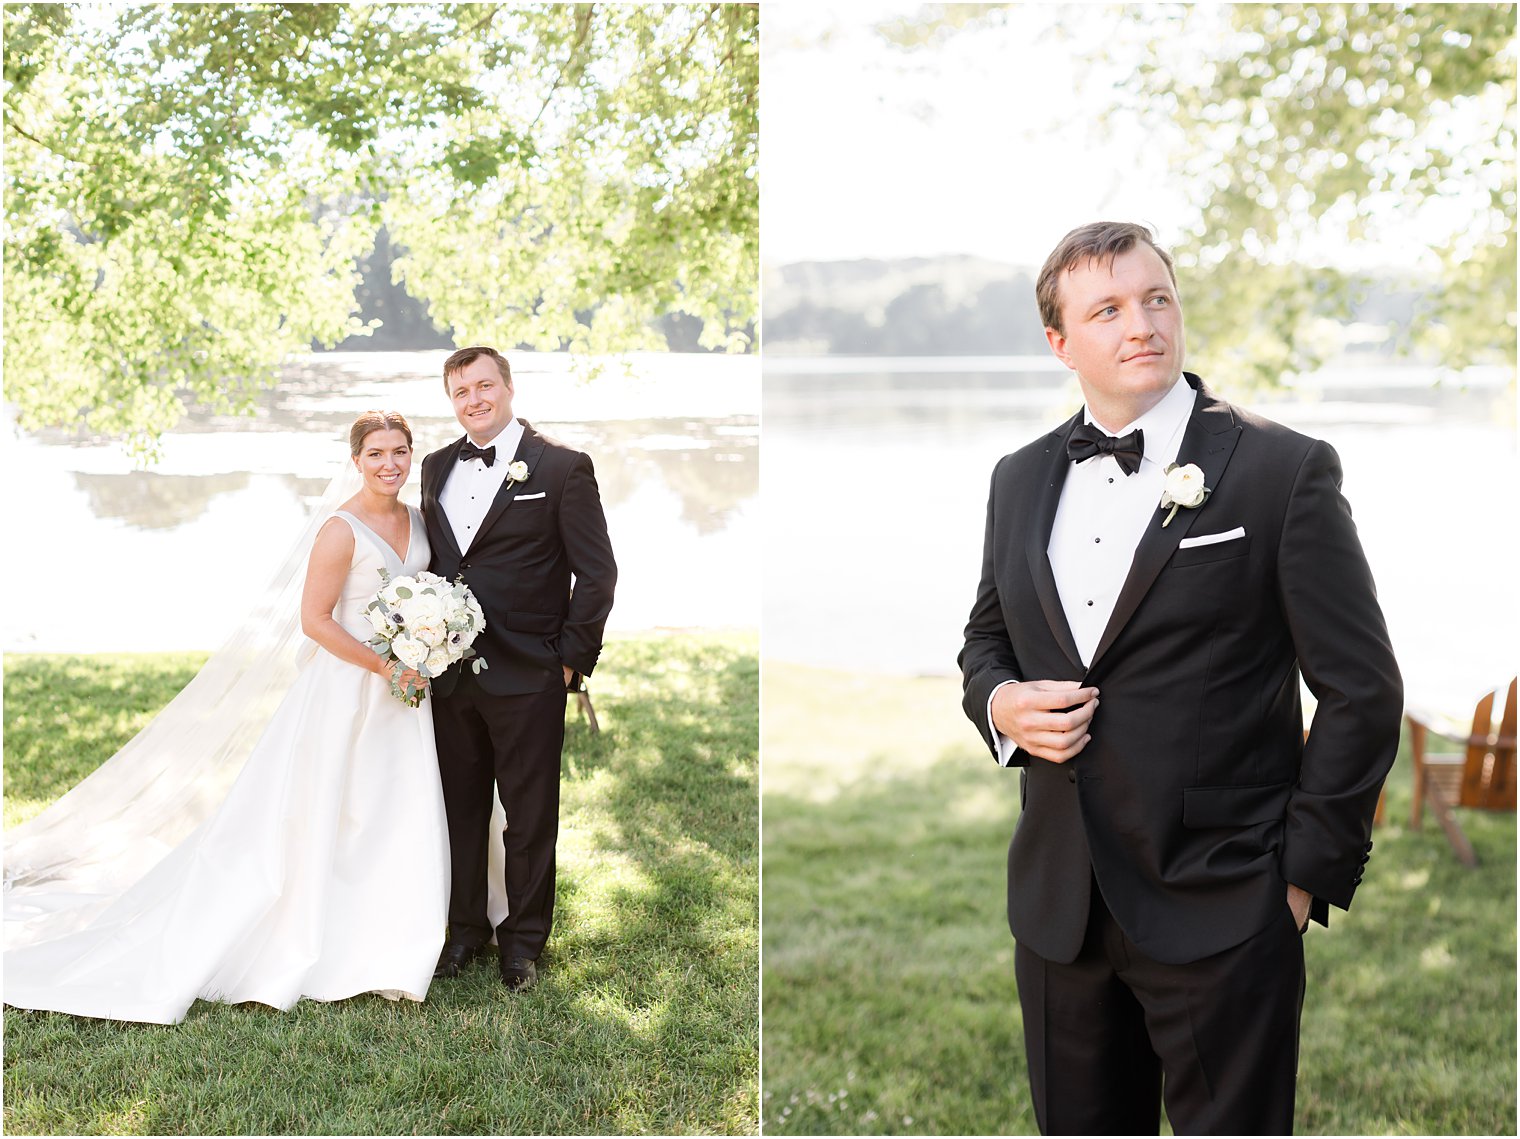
(403, 677)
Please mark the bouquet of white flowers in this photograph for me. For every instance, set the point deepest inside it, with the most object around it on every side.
(425, 623)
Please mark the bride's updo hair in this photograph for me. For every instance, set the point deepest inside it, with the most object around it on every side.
(372, 421)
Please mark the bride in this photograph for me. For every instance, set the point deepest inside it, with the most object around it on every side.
(322, 872)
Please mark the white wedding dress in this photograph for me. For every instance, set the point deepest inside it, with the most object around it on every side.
(323, 873)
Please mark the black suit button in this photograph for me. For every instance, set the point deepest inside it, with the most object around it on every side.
(1071, 777)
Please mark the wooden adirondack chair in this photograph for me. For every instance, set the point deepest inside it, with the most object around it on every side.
(1482, 775)
(582, 696)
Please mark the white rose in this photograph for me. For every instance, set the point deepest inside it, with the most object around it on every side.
(438, 660)
(424, 609)
(1184, 486)
(518, 471)
(378, 621)
(408, 651)
(432, 633)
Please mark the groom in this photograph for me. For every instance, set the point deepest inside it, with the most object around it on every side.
(1139, 657)
(517, 515)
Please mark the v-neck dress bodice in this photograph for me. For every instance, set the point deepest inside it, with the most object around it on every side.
(372, 553)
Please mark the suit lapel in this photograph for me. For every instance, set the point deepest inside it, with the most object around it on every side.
(432, 489)
(1048, 497)
(528, 451)
(1209, 441)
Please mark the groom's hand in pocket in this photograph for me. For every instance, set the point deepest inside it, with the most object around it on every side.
(1046, 718)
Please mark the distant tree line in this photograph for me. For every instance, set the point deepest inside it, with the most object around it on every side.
(396, 321)
(957, 306)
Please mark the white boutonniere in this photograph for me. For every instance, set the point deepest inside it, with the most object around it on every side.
(1184, 487)
(517, 472)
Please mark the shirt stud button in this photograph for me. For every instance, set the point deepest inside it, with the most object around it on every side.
(1089, 602)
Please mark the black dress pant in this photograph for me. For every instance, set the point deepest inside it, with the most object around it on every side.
(1113, 1033)
(515, 742)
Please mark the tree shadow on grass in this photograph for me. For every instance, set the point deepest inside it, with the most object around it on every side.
(645, 1019)
(49, 749)
(666, 909)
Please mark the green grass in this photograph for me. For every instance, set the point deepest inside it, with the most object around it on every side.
(889, 997)
(645, 1016)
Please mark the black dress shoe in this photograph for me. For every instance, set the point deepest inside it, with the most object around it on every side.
(453, 959)
(518, 973)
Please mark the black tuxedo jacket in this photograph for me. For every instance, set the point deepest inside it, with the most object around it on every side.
(520, 566)
(1196, 800)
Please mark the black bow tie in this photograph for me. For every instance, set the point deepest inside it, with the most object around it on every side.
(485, 454)
(1087, 441)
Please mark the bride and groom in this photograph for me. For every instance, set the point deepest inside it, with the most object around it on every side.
(358, 827)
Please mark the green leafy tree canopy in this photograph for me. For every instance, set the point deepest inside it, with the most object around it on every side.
(1311, 132)
(1319, 146)
(187, 187)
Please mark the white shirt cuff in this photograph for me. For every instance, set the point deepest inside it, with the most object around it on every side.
(1005, 746)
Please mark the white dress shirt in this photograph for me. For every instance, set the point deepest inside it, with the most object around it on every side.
(471, 487)
(1099, 521)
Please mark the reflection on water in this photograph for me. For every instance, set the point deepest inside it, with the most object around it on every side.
(875, 565)
(711, 467)
(675, 442)
(152, 501)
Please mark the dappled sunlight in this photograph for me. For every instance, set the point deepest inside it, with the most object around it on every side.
(1436, 956)
(644, 1017)
(20, 808)
(642, 1022)
(1415, 879)
(131, 1117)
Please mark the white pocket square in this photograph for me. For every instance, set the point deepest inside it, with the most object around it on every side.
(540, 494)
(1210, 539)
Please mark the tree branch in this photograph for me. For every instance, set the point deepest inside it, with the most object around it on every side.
(582, 30)
(489, 17)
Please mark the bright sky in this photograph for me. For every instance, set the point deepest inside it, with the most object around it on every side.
(870, 150)
(995, 141)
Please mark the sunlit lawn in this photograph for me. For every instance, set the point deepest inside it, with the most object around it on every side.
(644, 1019)
(890, 1004)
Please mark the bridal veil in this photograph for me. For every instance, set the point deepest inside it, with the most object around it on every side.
(69, 862)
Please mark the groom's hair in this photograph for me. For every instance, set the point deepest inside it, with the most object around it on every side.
(1097, 241)
(464, 357)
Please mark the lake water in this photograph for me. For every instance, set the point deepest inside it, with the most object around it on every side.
(876, 476)
(164, 558)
